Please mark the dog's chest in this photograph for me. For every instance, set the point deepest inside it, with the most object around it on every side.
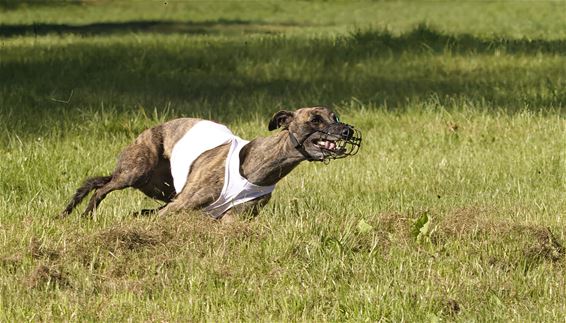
(203, 136)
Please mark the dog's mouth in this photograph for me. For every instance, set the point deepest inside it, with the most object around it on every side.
(327, 144)
(330, 145)
(333, 146)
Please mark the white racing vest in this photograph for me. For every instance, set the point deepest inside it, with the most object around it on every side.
(206, 135)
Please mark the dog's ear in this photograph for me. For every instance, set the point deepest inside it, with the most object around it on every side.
(281, 119)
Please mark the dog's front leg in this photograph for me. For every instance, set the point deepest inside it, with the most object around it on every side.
(246, 210)
(228, 217)
(169, 208)
(190, 198)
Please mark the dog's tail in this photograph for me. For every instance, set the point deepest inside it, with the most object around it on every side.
(88, 185)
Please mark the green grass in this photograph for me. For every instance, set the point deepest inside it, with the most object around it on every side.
(462, 109)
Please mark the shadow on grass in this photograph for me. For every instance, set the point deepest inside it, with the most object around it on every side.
(141, 26)
(426, 39)
(241, 77)
(16, 4)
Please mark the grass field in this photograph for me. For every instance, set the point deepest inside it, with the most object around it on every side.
(454, 209)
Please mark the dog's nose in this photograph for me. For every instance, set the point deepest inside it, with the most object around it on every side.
(347, 133)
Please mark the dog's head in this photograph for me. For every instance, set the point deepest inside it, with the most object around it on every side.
(317, 133)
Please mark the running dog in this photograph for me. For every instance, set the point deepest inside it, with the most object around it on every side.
(192, 163)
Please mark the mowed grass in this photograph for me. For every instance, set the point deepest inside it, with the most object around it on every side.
(453, 210)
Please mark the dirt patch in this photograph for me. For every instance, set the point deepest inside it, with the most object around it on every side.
(11, 263)
(394, 223)
(120, 255)
(169, 231)
(465, 221)
(138, 248)
(519, 244)
(145, 246)
(451, 307)
(126, 239)
(385, 230)
(38, 250)
(545, 247)
(47, 276)
(188, 227)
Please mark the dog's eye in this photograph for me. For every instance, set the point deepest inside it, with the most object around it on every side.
(316, 119)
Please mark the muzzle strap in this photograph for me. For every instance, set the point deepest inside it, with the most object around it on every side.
(299, 146)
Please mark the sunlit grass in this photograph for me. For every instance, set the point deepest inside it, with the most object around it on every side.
(463, 126)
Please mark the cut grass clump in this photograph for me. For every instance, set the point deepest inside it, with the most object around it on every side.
(38, 250)
(47, 276)
(142, 248)
(546, 248)
(499, 242)
(489, 239)
(119, 240)
(134, 247)
(11, 264)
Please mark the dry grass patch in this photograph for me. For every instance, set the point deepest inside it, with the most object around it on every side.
(387, 230)
(130, 256)
(545, 247)
(11, 264)
(502, 242)
(39, 250)
(47, 276)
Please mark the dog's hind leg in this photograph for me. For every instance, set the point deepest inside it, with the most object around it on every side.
(89, 185)
(127, 174)
(135, 167)
(100, 194)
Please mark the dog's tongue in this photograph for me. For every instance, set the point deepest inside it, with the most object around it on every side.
(330, 145)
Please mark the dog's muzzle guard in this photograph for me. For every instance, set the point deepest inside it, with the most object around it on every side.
(332, 145)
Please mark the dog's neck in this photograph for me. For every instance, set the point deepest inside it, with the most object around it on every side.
(266, 160)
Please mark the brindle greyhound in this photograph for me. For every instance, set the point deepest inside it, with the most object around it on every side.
(313, 134)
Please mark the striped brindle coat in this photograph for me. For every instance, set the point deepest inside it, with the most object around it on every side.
(307, 134)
